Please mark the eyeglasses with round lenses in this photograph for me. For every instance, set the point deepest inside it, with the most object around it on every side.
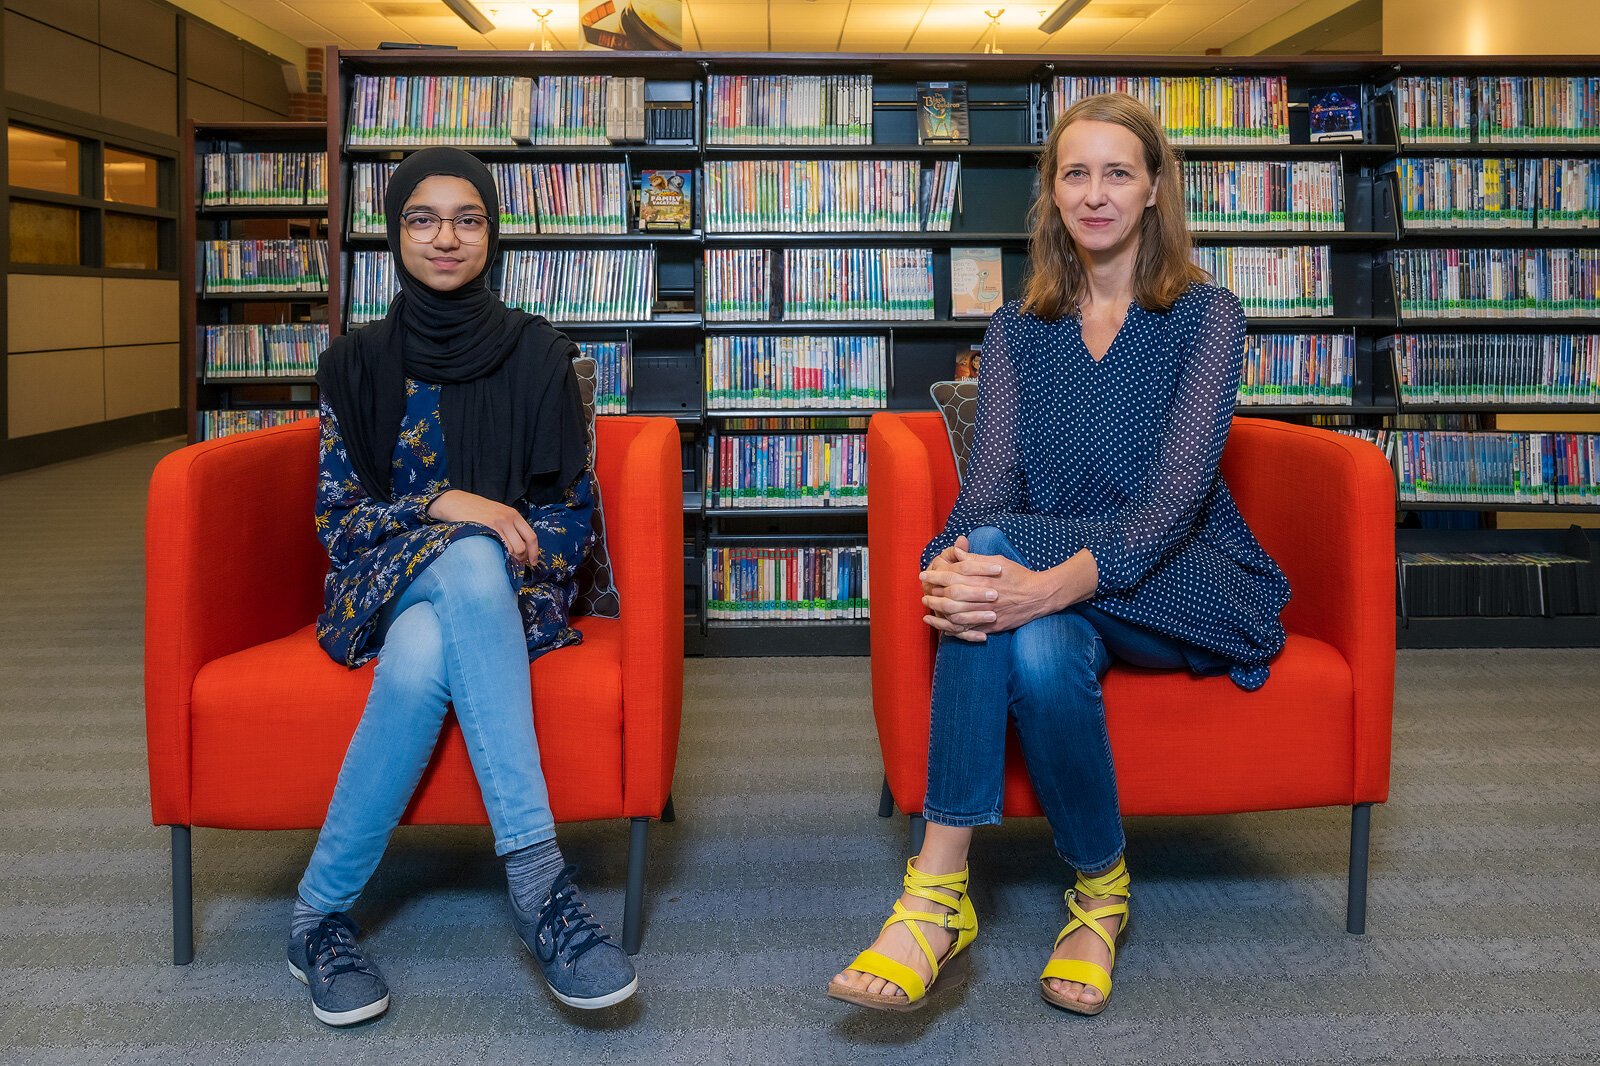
(424, 226)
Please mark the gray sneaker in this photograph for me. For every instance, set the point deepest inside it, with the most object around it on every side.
(582, 964)
(346, 986)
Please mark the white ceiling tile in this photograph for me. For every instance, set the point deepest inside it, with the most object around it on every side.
(1192, 18)
(792, 25)
(818, 30)
(1093, 33)
(1121, 9)
(1272, 8)
(1163, 36)
(938, 46)
(520, 17)
(867, 17)
(933, 40)
(336, 8)
(878, 28)
(442, 31)
(753, 45)
(1235, 25)
(291, 23)
(1027, 38)
(749, 20)
(965, 20)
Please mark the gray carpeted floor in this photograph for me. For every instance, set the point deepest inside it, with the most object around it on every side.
(1484, 927)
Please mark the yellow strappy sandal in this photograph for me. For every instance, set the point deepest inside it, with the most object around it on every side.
(1114, 882)
(964, 922)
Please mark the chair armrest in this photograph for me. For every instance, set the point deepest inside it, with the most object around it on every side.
(641, 490)
(1322, 504)
(231, 560)
(902, 516)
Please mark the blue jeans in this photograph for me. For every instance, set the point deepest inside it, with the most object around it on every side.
(454, 636)
(1046, 676)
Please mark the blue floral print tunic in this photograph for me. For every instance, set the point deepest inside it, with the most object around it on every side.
(1120, 457)
(377, 548)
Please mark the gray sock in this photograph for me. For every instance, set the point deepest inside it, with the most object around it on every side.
(530, 872)
(305, 918)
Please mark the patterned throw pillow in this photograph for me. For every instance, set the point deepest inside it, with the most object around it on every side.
(958, 403)
(597, 589)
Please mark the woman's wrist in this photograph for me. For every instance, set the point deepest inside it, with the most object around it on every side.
(1072, 581)
(428, 510)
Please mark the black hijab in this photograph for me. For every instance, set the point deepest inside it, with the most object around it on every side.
(509, 403)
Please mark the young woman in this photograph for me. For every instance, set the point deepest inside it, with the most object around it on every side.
(1093, 526)
(454, 499)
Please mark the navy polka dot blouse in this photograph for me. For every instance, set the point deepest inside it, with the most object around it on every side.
(1120, 457)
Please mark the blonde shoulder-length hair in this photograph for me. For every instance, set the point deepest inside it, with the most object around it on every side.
(1056, 283)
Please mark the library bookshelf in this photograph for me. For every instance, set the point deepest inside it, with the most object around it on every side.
(262, 385)
(1359, 309)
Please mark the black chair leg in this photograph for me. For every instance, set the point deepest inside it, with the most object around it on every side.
(182, 898)
(886, 800)
(919, 826)
(633, 905)
(1355, 920)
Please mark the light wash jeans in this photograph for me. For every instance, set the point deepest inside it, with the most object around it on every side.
(454, 637)
(1046, 676)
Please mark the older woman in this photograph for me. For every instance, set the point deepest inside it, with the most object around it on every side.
(1093, 527)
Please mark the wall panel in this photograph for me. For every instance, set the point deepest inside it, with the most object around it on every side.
(261, 82)
(54, 390)
(206, 104)
(47, 64)
(141, 29)
(81, 17)
(138, 93)
(141, 379)
(214, 58)
(45, 312)
(141, 311)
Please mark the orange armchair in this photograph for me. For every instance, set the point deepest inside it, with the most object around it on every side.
(1316, 735)
(235, 681)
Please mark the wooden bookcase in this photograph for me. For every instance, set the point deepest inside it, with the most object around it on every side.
(997, 174)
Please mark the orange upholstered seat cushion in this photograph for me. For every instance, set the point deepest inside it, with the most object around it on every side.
(1195, 745)
(270, 726)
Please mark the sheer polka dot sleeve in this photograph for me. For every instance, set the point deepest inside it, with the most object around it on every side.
(1119, 454)
(1183, 475)
(993, 486)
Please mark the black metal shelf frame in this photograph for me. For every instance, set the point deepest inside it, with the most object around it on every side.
(667, 356)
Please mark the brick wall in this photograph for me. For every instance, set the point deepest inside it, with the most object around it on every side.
(311, 105)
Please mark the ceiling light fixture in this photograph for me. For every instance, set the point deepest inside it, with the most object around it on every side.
(994, 29)
(470, 15)
(1062, 15)
(543, 15)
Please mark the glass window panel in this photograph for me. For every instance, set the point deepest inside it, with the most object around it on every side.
(45, 233)
(132, 243)
(132, 178)
(42, 161)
